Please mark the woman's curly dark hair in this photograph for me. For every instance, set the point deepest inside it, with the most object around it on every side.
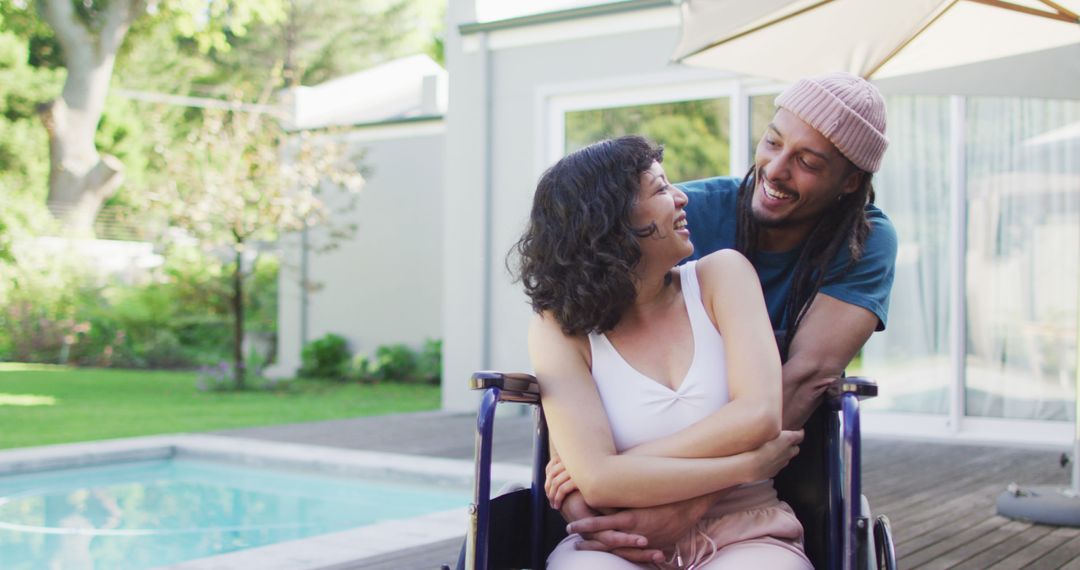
(577, 254)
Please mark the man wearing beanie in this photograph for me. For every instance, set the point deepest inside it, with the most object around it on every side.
(804, 216)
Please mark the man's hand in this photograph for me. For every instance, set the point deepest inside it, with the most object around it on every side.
(770, 458)
(564, 496)
(660, 527)
(574, 508)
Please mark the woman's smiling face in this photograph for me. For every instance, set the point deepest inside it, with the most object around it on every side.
(661, 205)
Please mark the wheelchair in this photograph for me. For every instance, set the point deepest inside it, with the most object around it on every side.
(822, 484)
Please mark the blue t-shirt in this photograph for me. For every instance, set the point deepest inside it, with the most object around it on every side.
(711, 217)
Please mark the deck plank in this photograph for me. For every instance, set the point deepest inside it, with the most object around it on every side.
(1029, 556)
(951, 541)
(1066, 553)
(1005, 548)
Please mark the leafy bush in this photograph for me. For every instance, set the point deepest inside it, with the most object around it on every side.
(41, 309)
(429, 364)
(400, 363)
(53, 310)
(220, 378)
(362, 369)
(326, 357)
(217, 378)
(395, 362)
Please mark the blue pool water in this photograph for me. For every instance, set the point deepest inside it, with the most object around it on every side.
(146, 514)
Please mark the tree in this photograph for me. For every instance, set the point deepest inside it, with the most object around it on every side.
(239, 179)
(23, 145)
(319, 40)
(89, 34)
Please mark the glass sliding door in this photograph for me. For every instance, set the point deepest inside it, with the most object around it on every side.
(1019, 165)
(1023, 207)
(910, 359)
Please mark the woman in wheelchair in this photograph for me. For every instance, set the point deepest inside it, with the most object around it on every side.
(659, 382)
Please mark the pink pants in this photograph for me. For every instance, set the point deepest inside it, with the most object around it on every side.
(748, 528)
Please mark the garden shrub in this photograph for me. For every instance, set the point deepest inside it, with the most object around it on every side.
(218, 378)
(400, 363)
(41, 309)
(429, 363)
(395, 362)
(161, 349)
(362, 369)
(53, 310)
(326, 357)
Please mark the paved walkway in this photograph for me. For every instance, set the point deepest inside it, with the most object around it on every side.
(940, 497)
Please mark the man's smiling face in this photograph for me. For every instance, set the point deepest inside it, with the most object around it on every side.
(799, 174)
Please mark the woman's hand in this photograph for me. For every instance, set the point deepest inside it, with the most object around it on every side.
(770, 458)
(557, 483)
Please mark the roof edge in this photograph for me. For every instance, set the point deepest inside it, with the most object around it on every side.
(385, 123)
(563, 15)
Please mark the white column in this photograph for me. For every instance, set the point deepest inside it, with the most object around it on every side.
(739, 127)
(957, 257)
(465, 209)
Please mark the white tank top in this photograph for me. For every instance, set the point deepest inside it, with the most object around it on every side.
(641, 409)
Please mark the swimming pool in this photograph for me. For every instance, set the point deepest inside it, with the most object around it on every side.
(148, 514)
(150, 502)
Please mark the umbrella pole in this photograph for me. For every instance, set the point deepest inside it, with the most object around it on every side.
(1048, 504)
(1075, 490)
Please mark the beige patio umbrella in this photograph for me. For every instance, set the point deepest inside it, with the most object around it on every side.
(882, 39)
(789, 39)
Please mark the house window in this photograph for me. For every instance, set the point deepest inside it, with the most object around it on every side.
(695, 134)
(761, 114)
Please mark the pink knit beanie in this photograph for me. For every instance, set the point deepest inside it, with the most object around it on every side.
(847, 109)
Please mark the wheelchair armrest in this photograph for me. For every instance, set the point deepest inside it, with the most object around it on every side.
(862, 388)
(513, 386)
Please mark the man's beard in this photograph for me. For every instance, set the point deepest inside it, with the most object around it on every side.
(768, 223)
(760, 222)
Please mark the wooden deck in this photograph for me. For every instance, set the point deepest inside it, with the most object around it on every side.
(940, 497)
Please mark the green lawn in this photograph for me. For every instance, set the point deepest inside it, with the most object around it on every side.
(41, 405)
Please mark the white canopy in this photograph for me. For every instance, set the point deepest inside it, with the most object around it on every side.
(879, 39)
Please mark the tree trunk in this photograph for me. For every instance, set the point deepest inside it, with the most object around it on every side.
(80, 178)
(239, 372)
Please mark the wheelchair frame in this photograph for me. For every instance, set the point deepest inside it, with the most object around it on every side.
(848, 529)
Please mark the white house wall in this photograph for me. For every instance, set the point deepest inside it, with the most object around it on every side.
(383, 285)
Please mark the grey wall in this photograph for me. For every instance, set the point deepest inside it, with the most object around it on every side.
(384, 285)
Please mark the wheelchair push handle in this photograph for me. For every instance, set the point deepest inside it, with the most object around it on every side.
(513, 386)
(499, 387)
(861, 387)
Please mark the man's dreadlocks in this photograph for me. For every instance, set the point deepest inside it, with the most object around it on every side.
(845, 224)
